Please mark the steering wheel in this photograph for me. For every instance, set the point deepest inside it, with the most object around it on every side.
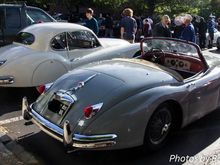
(157, 58)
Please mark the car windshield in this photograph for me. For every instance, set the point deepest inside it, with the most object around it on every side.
(37, 16)
(169, 45)
(24, 38)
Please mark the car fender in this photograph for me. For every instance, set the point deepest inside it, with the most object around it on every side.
(129, 118)
(23, 68)
(48, 71)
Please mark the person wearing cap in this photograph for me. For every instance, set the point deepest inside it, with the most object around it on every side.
(91, 22)
(188, 32)
(128, 26)
(162, 29)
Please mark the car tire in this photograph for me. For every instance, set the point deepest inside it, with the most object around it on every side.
(158, 128)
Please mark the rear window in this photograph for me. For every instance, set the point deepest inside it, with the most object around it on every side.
(25, 38)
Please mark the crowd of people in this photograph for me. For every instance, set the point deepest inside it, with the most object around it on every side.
(133, 28)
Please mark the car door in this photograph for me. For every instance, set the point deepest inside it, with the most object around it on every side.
(81, 43)
(203, 93)
(13, 23)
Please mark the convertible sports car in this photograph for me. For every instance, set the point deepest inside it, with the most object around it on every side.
(122, 103)
(43, 52)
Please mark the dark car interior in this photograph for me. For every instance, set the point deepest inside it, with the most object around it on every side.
(185, 65)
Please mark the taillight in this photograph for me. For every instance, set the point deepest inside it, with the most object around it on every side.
(43, 88)
(91, 110)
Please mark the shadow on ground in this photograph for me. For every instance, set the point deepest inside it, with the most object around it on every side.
(10, 98)
(216, 51)
(188, 141)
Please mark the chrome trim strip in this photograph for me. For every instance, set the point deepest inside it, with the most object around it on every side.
(94, 145)
(93, 138)
(6, 79)
(79, 141)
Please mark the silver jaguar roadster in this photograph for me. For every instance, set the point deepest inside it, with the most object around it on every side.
(123, 103)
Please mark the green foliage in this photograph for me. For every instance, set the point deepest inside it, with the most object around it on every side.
(141, 7)
(215, 6)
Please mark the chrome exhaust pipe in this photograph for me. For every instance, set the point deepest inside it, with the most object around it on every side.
(25, 113)
(67, 136)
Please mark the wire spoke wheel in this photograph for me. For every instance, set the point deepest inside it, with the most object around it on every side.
(159, 127)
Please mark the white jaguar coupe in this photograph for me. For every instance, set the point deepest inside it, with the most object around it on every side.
(43, 52)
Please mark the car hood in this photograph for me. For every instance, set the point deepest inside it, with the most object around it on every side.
(107, 42)
(108, 82)
(14, 51)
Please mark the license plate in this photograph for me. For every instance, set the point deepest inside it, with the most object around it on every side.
(57, 107)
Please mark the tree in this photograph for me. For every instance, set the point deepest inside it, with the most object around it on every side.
(215, 5)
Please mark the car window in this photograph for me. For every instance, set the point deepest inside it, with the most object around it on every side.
(1, 18)
(24, 38)
(81, 40)
(37, 16)
(13, 18)
(59, 42)
(171, 46)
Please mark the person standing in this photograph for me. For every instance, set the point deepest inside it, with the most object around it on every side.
(202, 29)
(162, 29)
(139, 28)
(146, 28)
(91, 22)
(108, 26)
(128, 26)
(188, 32)
(178, 27)
(211, 30)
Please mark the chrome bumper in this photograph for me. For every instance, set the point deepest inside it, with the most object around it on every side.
(64, 134)
(6, 80)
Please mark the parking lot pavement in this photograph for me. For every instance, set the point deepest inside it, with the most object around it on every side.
(6, 156)
(199, 143)
(200, 139)
(11, 153)
(213, 52)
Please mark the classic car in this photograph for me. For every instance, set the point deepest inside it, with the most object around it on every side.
(43, 52)
(123, 103)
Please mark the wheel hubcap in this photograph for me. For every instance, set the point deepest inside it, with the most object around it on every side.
(165, 128)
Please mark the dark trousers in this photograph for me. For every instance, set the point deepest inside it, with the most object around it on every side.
(202, 40)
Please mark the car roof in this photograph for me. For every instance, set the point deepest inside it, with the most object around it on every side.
(53, 27)
(10, 5)
(44, 32)
(18, 6)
